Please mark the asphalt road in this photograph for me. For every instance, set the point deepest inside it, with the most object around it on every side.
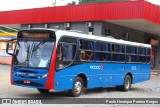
(147, 89)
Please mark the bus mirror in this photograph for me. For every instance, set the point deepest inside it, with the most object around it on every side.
(7, 49)
(9, 44)
(17, 51)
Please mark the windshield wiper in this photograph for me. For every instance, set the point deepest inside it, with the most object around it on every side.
(28, 51)
(35, 47)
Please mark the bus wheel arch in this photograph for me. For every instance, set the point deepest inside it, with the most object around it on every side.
(79, 83)
(84, 78)
(43, 91)
(126, 83)
(130, 76)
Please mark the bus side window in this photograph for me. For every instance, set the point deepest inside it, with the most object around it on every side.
(108, 50)
(142, 55)
(102, 51)
(148, 56)
(86, 50)
(131, 54)
(91, 45)
(118, 53)
(66, 51)
(58, 52)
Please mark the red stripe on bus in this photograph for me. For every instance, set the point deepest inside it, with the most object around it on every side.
(50, 79)
(11, 81)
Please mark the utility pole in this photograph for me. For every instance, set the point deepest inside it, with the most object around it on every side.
(54, 3)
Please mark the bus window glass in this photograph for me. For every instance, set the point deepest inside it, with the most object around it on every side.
(66, 51)
(142, 59)
(102, 51)
(86, 50)
(148, 55)
(115, 48)
(107, 47)
(33, 53)
(148, 59)
(118, 48)
(142, 55)
(131, 58)
(118, 53)
(118, 57)
(86, 55)
(99, 46)
(86, 45)
(102, 56)
(131, 50)
(141, 51)
(148, 51)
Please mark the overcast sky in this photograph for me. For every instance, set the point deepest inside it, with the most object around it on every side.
(24, 4)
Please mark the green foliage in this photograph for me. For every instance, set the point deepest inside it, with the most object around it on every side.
(92, 1)
(95, 1)
(72, 3)
(6, 29)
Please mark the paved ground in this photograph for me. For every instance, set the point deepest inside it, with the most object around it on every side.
(148, 89)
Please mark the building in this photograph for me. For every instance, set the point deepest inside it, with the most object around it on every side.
(6, 33)
(135, 20)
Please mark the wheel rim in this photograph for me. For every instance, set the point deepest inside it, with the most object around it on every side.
(127, 82)
(77, 87)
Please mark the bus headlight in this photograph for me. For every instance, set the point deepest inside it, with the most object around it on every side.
(43, 76)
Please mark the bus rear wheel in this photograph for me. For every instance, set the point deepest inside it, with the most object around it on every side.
(126, 84)
(77, 87)
(43, 91)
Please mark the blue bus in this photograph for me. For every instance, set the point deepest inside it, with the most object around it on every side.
(48, 59)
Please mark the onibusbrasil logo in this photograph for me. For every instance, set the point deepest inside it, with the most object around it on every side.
(96, 67)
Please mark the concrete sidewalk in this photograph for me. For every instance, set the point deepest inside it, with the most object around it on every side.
(155, 72)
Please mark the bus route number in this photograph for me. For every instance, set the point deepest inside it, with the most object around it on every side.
(133, 68)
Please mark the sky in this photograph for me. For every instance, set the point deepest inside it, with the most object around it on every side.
(24, 4)
(6, 5)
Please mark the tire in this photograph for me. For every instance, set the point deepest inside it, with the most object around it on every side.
(43, 91)
(77, 87)
(126, 84)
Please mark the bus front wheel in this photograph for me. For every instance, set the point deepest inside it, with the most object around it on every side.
(43, 91)
(77, 87)
(126, 84)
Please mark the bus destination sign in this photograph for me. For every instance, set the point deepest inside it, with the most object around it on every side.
(35, 35)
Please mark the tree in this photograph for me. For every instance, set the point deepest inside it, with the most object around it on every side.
(72, 3)
(95, 1)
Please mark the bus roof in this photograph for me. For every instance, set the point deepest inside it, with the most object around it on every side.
(61, 33)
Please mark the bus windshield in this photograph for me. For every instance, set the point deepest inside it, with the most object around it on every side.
(33, 53)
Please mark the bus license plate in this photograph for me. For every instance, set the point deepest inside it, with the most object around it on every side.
(26, 81)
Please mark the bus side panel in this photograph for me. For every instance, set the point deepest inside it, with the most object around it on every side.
(63, 82)
(118, 73)
(143, 74)
(101, 74)
(64, 78)
(97, 74)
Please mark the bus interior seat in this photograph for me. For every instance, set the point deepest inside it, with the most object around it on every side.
(91, 46)
(97, 58)
(108, 57)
